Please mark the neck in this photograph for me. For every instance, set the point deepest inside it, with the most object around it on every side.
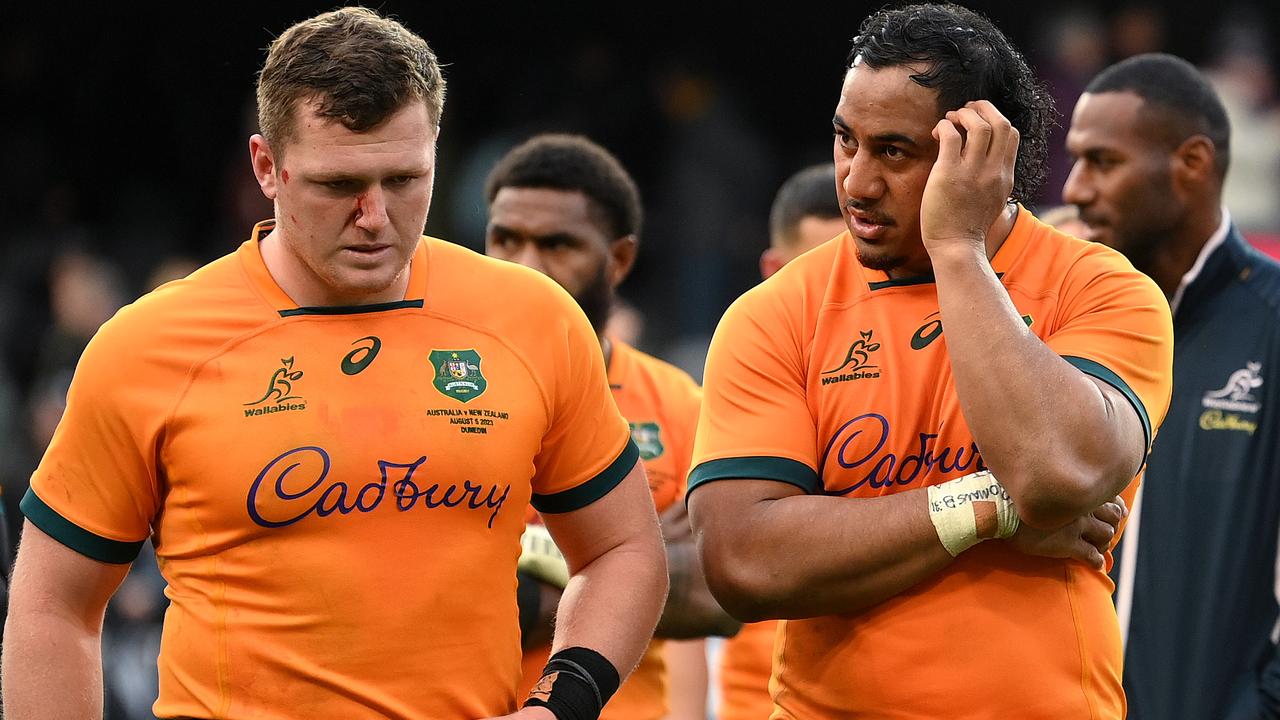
(606, 346)
(1171, 260)
(1000, 229)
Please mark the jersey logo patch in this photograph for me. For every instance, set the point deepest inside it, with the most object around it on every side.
(856, 364)
(932, 329)
(648, 438)
(279, 395)
(457, 374)
(354, 362)
(1226, 406)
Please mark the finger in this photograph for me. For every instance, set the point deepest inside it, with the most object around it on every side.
(1002, 131)
(1088, 554)
(949, 142)
(1109, 513)
(1124, 506)
(1098, 533)
(977, 131)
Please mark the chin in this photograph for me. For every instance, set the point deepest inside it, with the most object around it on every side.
(877, 258)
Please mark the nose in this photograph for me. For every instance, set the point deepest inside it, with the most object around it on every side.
(529, 257)
(862, 180)
(371, 209)
(1078, 190)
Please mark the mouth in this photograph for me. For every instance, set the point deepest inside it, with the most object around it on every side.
(868, 226)
(367, 252)
(1094, 227)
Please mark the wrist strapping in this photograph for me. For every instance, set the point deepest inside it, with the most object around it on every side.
(540, 557)
(970, 509)
(575, 684)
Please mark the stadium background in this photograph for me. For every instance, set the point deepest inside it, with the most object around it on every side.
(124, 154)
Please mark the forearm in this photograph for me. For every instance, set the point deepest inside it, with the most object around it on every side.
(687, 679)
(52, 666)
(1045, 429)
(774, 561)
(691, 610)
(612, 604)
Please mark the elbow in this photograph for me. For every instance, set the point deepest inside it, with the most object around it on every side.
(1055, 496)
(737, 586)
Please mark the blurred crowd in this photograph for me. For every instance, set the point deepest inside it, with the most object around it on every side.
(85, 235)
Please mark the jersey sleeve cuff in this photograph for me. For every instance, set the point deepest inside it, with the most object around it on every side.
(756, 468)
(75, 537)
(1103, 373)
(592, 490)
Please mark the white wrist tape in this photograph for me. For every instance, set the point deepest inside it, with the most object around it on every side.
(968, 510)
(540, 557)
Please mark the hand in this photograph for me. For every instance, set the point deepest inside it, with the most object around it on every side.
(675, 523)
(1085, 539)
(537, 712)
(971, 180)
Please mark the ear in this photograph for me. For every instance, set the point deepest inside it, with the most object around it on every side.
(622, 257)
(264, 165)
(771, 261)
(1195, 161)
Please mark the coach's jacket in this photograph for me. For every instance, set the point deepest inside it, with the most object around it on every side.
(1201, 640)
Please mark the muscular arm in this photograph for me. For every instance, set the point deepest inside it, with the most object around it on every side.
(619, 573)
(691, 610)
(1060, 442)
(766, 557)
(52, 664)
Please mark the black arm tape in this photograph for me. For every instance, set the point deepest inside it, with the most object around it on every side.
(575, 684)
(528, 601)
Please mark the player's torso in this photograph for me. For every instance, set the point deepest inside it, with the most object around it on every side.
(338, 488)
(881, 392)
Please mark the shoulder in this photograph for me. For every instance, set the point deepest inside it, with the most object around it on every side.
(466, 283)
(662, 373)
(177, 325)
(1260, 274)
(1077, 265)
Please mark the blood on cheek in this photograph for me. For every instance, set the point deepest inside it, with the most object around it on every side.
(284, 175)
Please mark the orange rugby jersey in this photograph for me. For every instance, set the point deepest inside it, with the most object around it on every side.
(660, 402)
(835, 378)
(745, 666)
(336, 495)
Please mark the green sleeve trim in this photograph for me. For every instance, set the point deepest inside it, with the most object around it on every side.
(576, 498)
(756, 468)
(1103, 373)
(74, 536)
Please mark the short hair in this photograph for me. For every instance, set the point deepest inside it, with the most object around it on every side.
(357, 66)
(966, 58)
(1180, 96)
(573, 162)
(809, 193)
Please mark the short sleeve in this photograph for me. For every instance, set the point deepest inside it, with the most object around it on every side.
(95, 489)
(1115, 325)
(587, 450)
(755, 421)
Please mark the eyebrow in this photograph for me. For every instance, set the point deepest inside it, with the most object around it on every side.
(500, 229)
(882, 138)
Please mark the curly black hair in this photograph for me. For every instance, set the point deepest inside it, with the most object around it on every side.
(573, 162)
(965, 58)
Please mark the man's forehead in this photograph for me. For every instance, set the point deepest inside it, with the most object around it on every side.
(888, 94)
(1106, 117)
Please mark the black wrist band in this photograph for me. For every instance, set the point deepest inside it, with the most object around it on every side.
(575, 684)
